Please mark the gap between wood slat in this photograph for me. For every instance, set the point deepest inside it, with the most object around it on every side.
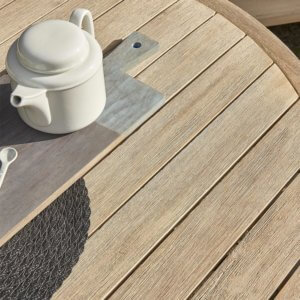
(238, 241)
(289, 288)
(166, 7)
(6, 3)
(132, 277)
(30, 22)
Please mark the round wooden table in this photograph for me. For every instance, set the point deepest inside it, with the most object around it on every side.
(202, 200)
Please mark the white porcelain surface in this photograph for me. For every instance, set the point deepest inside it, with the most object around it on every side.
(53, 46)
(7, 156)
(56, 74)
(70, 110)
(58, 81)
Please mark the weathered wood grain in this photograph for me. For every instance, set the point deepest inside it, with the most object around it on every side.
(280, 54)
(200, 241)
(261, 261)
(180, 19)
(127, 17)
(97, 8)
(272, 12)
(122, 242)
(20, 14)
(5, 2)
(181, 64)
(165, 134)
(291, 290)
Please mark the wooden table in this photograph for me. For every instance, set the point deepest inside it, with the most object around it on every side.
(202, 200)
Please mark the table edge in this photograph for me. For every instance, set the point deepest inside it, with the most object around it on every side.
(273, 46)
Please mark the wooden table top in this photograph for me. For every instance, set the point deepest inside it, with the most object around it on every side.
(202, 200)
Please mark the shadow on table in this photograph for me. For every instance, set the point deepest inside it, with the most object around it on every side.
(13, 131)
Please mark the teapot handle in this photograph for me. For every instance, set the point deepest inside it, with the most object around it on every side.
(83, 19)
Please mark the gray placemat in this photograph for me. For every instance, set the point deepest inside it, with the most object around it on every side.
(34, 263)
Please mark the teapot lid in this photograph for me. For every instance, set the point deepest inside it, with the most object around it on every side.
(52, 47)
(55, 54)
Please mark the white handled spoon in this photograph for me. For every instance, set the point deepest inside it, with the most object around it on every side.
(7, 156)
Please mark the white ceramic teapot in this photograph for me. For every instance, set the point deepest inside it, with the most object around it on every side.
(56, 73)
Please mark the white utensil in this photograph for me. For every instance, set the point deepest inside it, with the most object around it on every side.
(7, 156)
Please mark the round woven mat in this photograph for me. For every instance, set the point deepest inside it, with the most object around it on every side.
(35, 262)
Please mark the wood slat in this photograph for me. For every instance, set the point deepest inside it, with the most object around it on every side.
(181, 64)
(264, 257)
(120, 244)
(291, 290)
(180, 19)
(20, 14)
(272, 12)
(153, 145)
(108, 187)
(5, 2)
(200, 242)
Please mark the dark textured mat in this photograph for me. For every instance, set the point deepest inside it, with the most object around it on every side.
(34, 263)
(290, 35)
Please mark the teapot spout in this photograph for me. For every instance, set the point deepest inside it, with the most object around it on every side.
(33, 99)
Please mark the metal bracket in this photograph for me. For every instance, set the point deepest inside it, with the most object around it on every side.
(129, 101)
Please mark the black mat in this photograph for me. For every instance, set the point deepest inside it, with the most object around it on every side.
(34, 263)
(290, 35)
